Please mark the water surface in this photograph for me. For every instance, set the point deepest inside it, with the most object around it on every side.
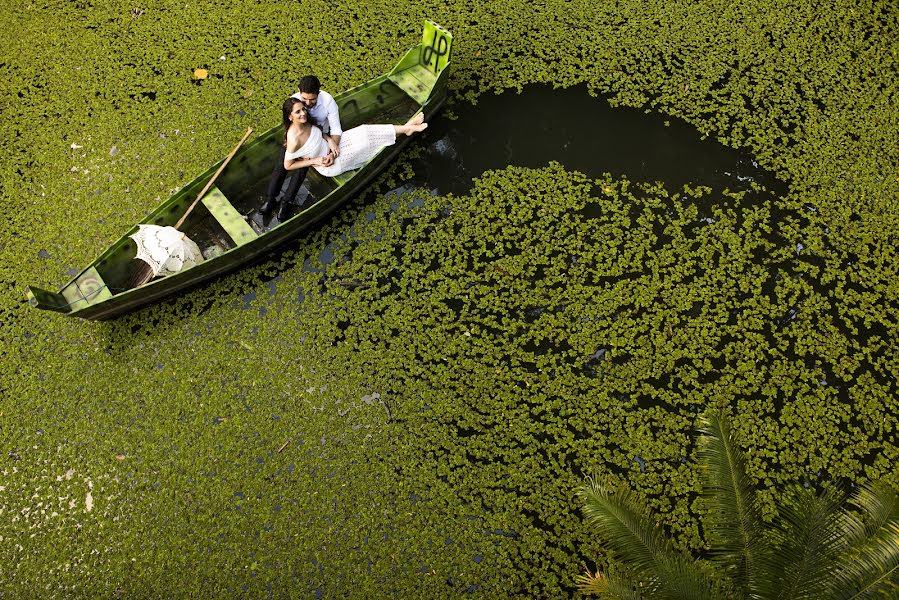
(581, 132)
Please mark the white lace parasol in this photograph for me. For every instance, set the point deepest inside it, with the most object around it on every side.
(165, 249)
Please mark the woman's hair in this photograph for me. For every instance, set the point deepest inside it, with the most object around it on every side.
(285, 113)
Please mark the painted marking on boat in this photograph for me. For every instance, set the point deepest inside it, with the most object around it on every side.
(437, 50)
(348, 104)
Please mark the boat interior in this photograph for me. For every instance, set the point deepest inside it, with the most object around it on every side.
(228, 215)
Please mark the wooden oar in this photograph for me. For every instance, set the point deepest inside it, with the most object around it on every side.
(144, 272)
(212, 180)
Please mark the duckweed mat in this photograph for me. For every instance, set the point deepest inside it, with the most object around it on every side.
(403, 402)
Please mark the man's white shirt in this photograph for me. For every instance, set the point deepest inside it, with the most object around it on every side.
(325, 113)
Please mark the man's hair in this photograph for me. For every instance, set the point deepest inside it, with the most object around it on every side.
(310, 85)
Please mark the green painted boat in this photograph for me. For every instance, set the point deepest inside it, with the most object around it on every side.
(225, 223)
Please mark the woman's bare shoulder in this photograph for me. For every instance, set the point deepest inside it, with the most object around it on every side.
(294, 139)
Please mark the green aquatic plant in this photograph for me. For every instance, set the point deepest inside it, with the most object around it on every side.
(447, 379)
(815, 547)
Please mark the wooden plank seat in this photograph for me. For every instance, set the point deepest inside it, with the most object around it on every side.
(417, 81)
(228, 217)
(344, 177)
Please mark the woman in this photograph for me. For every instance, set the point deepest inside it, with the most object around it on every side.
(307, 146)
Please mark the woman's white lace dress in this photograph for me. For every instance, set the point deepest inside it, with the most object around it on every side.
(357, 146)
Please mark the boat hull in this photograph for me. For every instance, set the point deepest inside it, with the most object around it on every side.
(98, 292)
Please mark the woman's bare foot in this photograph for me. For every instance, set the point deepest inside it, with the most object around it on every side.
(415, 124)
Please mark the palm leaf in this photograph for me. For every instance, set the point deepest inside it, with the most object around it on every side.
(871, 568)
(618, 585)
(684, 579)
(878, 505)
(874, 571)
(810, 539)
(624, 527)
(635, 541)
(734, 525)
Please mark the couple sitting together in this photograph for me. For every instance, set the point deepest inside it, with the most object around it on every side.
(313, 138)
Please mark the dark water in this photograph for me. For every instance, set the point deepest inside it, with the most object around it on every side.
(582, 133)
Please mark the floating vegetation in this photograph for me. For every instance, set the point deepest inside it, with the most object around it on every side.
(406, 399)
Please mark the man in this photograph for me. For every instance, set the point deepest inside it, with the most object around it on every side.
(323, 110)
(324, 113)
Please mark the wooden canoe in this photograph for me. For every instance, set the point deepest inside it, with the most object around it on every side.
(221, 222)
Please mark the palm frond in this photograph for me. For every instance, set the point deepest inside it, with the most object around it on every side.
(734, 524)
(593, 584)
(810, 539)
(683, 579)
(878, 504)
(872, 569)
(625, 528)
(618, 585)
(622, 522)
(814, 549)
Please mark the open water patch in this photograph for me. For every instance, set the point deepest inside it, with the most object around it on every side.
(583, 133)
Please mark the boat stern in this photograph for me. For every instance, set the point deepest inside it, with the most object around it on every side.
(41, 298)
(87, 289)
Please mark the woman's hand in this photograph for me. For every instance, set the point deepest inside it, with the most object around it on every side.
(326, 161)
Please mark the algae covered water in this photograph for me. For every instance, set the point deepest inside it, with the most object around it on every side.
(562, 299)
